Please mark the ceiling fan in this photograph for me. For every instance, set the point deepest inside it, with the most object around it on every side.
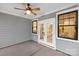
(28, 9)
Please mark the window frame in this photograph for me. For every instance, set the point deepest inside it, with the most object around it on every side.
(33, 27)
(76, 25)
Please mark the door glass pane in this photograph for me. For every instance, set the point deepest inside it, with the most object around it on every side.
(41, 31)
(49, 33)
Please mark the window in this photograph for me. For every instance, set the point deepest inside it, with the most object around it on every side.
(34, 26)
(68, 25)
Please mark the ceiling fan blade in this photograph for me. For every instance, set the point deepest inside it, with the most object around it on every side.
(33, 13)
(19, 9)
(36, 9)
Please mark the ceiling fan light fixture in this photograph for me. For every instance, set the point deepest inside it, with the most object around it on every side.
(28, 9)
(28, 12)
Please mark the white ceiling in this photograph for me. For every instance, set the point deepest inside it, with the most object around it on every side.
(45, 8)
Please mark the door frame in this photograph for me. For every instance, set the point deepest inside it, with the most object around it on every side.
(54, 31)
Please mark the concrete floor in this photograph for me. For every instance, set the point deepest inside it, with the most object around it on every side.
(29, 48)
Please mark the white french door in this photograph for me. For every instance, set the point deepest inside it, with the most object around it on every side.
(46, 32)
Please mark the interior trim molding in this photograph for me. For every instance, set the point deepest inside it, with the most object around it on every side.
(60, 9)
(6, 12)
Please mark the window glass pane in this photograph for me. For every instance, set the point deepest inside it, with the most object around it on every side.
(61, 22)
(60, 16)
(61, 31)
(66, 16)
(34, 29)
(72, 15)
(34, 23)
(68, 25)
(72, 21)
(69, 31)
(66, 22)
(34, 26)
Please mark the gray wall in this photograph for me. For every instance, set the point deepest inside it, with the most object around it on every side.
(35, 37)
(14, 30)
(69, 47)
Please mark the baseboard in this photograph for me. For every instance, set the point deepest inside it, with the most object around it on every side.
(63, 52)
(14, 44)
(47, 46)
